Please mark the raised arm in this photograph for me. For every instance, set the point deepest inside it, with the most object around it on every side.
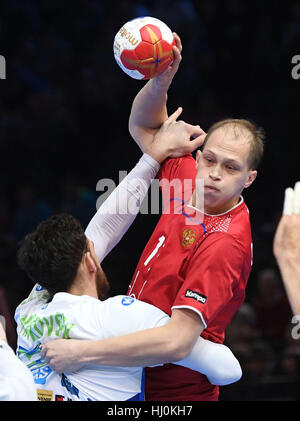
(149, 109)
(118, 212)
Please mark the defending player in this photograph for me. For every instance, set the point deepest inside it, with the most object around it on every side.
(65, 262)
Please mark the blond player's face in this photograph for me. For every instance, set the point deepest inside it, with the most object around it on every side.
(223, 166)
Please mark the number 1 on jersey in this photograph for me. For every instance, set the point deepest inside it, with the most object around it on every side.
(161, 240)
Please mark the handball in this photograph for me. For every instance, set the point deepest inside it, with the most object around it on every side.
(143, 47)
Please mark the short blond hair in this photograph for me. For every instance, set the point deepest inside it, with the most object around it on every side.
(240, 126)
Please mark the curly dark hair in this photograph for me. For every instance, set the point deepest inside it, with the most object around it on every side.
(51, 254)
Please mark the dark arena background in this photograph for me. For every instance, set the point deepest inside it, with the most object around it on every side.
(64, 109)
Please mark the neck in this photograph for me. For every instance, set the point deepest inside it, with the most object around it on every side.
(82, 287)
(211, 210)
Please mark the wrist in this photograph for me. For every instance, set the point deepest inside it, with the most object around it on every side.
(157, 153)
(88, 352)
(160, 87)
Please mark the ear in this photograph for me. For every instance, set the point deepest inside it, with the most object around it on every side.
(90, 264)
(198, 155)
(251, 177)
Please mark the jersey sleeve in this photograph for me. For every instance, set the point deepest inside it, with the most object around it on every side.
(176, 179)
(118, 212)
(16, 380)
(212, 277)
(37, 295)
(177, 168)
(123, 315)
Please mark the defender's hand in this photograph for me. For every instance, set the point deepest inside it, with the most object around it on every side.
(63, 355)
(173, 139)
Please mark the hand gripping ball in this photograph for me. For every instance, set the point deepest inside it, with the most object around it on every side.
(143, 47)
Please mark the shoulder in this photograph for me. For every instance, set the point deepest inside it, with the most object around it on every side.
(178, 167)
(232, 226)
(127, 303)
(124, 314)
(221, 241)
(240, 227)
(38, 297)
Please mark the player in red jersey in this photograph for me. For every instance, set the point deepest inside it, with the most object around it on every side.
(197, 262)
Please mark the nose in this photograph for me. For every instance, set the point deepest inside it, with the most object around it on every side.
(215, 173)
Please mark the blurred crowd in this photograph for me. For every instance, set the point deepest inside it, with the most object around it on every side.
(64, 110)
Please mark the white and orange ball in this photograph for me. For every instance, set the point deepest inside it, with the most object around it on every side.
(143, 47)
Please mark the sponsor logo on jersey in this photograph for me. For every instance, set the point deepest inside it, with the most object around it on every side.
(41, 373)
(196, 296)
(188, 237)
(44, 395)
(126, 301)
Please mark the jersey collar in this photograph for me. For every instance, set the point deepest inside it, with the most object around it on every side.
(241, 201)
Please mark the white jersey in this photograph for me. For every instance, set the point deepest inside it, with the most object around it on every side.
(81, 317)
(16, 382)
(84, 317)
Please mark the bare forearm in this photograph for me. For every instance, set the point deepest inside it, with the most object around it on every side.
(149, 106)
(162, 345)
(148, 112)
(171, 342)
(148, 347)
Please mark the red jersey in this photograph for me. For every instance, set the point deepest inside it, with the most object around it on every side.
(194, 261)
